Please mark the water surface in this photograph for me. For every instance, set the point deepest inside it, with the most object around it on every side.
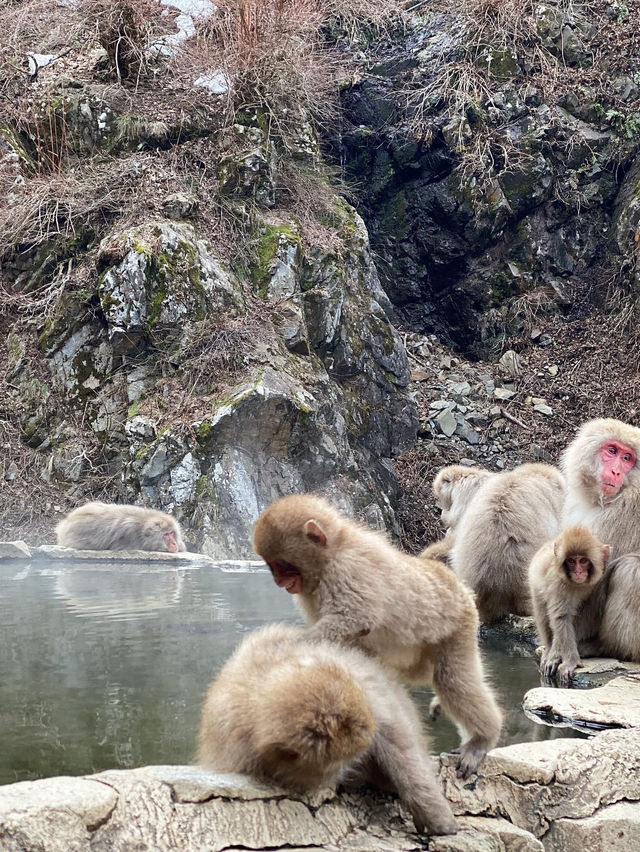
(104, 665)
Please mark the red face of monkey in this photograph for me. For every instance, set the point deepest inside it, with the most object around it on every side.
(171, 541)
(616, 460)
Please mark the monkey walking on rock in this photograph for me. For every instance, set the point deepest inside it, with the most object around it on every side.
(410, 613)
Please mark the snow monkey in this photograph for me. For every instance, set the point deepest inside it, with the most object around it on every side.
(107, 526)
(567, 589)
(508, 518)
(439, 550)
(603, 484)
(303, 715)
(620, 628)
(412, 614)
(454, 486)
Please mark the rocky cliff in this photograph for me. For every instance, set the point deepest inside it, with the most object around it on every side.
(220, 247)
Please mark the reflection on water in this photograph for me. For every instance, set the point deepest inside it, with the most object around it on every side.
(105, 664)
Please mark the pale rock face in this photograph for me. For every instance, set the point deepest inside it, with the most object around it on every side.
(570, 795)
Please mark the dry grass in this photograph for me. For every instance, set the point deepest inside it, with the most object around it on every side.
(272, 56)
(464, 79)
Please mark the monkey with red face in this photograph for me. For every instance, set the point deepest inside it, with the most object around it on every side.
(603, 492)
(111, 526)
(603, 482)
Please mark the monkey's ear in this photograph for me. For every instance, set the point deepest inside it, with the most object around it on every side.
(315, 533)
(606, 552)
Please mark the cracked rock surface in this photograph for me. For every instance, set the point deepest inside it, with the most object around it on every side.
(541, 786)
(558, 795)
(180, 807)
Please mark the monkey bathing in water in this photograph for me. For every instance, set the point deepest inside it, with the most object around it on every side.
(411, 613)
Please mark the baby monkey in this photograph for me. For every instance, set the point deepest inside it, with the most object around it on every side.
(568, 593)
(412, 614)
(304, 715)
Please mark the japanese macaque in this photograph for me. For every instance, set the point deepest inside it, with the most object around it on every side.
(304, 715)
(108, 526)
(508, 518)
(412, 614)
(567, 589)
(603, 492)
(439, 550)
(454, 487)
(603, 482)
(620, 628)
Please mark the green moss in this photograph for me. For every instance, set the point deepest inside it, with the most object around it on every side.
(134, 409)
(14, 141)
(266, 252)
(205, 489)
(394, 216)
(253, 117)
(518, 186)
(203, 432)
(499, 62)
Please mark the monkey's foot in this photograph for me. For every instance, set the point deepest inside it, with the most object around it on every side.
(470, 757)
(435, 708)
(444, 823)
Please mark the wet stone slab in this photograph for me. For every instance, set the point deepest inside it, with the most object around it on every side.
(614, 705)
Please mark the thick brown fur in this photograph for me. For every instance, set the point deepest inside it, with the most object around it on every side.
(305, 714)
(508, 518)
(110, 526)
(616, 519)
(439, 550)
(412, 614)
(567, 613)
(620, 628)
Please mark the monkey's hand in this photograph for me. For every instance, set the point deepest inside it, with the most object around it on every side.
(333, 628)
(470, 757)
(435, 708)
(566, 671)
(549, 665)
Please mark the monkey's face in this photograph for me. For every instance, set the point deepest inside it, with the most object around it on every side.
(170, 539)
(286, 576)
(293, 544)
(578, 568)
(615, 461)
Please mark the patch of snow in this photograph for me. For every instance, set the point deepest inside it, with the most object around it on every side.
(216, 82)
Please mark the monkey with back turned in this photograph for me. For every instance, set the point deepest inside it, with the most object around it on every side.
(304, 714)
